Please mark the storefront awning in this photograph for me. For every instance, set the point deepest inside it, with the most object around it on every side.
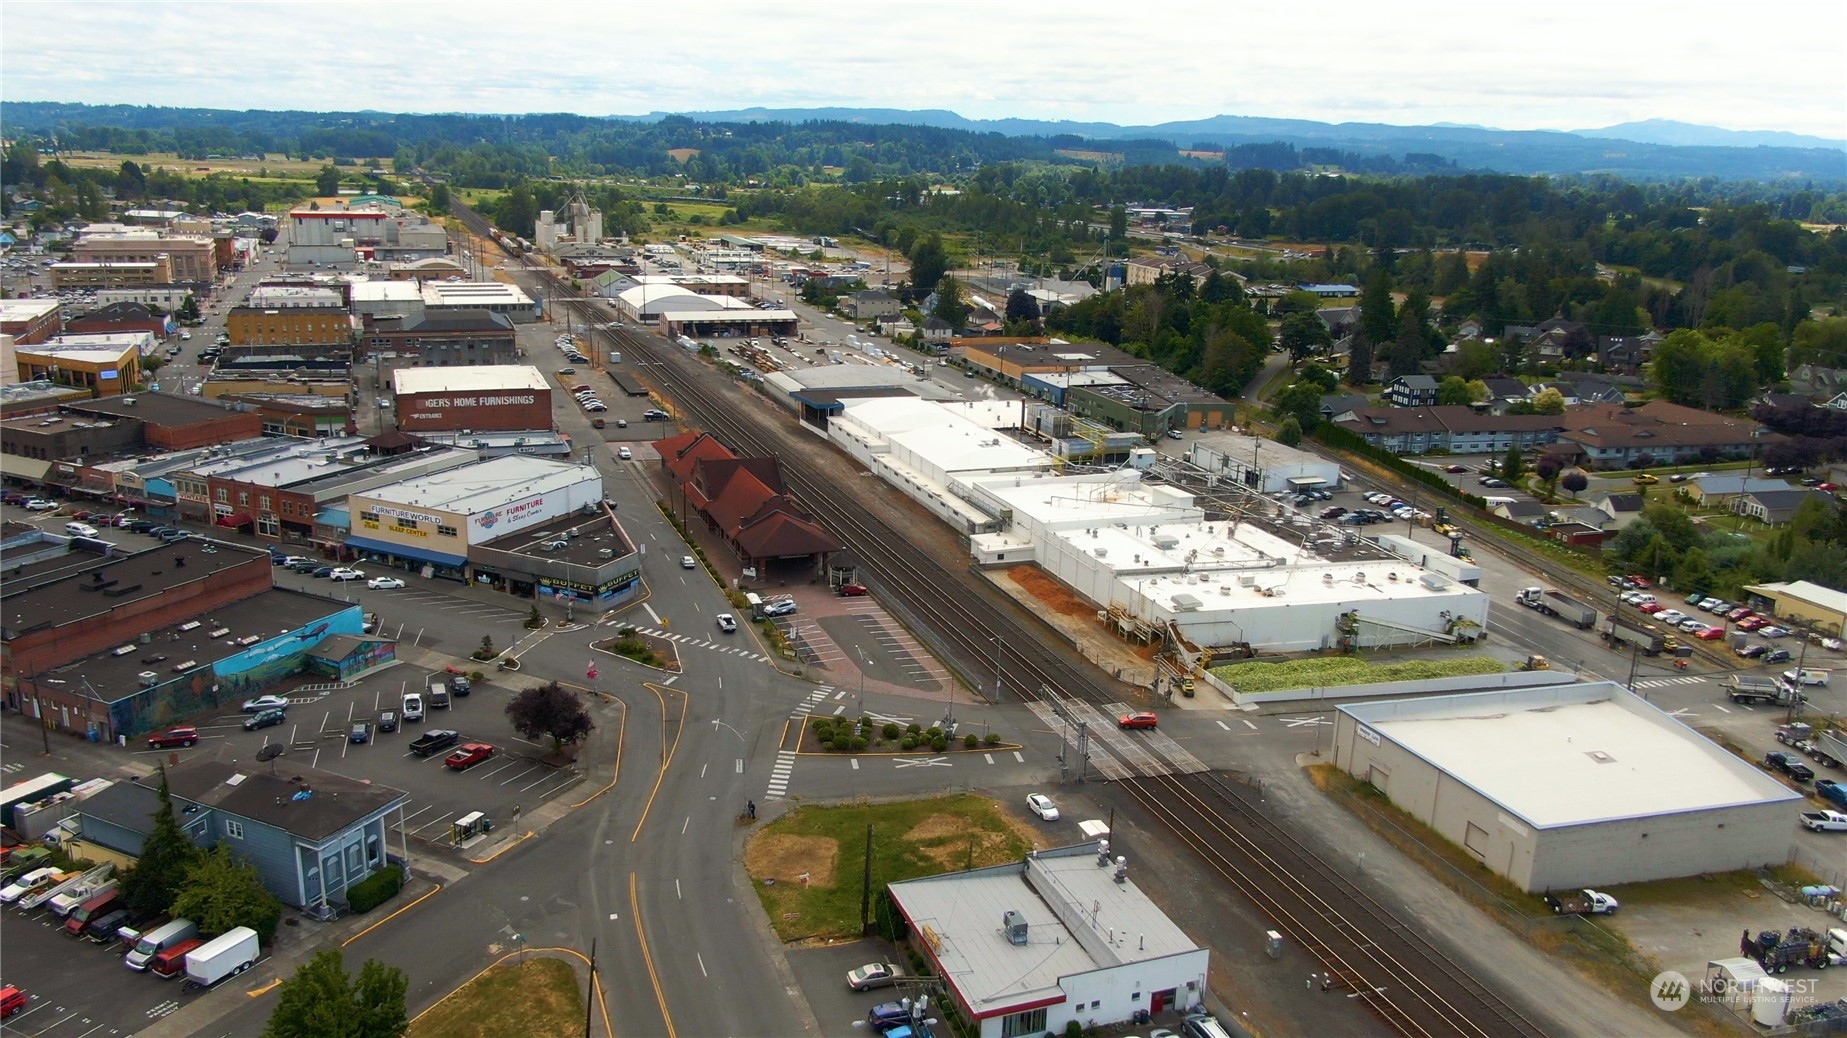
(405, 551)
(235, 519)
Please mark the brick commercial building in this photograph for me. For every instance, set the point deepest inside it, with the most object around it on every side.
(118, 274)
(106, 365)
(446, 340)
(493, 397)
(316, 325)
(120, 317)
(30, 321)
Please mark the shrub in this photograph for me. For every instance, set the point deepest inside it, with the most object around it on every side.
(827, 743)
(934, 732)
(821, 724)
(915, 729)
(909, 743)
(940, 743)
(1073, 1029)
(375, 890)
(859, 743)
(993, 739)
(892, 730)
(970, 741)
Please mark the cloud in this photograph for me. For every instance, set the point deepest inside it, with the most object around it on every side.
(1572, 64)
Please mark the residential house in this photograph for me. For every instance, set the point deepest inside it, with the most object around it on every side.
(1611, 436)
(1774, 507)
(1521, 511)
(1412, 391)
(1146, 270)
(1329, 291)
(1622, 509)
(1579, 535)
(1504, 392)
(1626, 354)
(1837, 402)
(1582, 392)
(1468, 330)
(864, 306)
(1721, 491)
(1818, 380)
(894, 325)
(1783, 400)
(1339, 405)
(1340, 320)
(938, 331)
(1454, 428)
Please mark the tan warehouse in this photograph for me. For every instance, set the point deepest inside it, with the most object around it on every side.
(1569, 786)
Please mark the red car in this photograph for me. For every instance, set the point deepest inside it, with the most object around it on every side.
(1640, 582)
(1651, 607)
(1829, 487)
(1142, 719)
(1740, 613)
(853, 590)
(1751, 623)
(185, 736)
(1711, 634)
(12, 1000)
(468, 755)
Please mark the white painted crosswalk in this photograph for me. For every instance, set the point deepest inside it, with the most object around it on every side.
(784, 767)
(1663, 682)
(701, 642)
(1118, 754)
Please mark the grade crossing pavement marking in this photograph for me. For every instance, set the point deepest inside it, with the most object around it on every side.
(1305, 722)
(923, 762)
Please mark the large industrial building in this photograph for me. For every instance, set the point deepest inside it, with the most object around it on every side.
(1151, 553)
(1568, 786)
(676, 309)
(1062, 937)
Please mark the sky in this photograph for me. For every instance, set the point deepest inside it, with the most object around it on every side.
(1560, 64)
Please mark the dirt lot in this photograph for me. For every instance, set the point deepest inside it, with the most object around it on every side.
(1706, 921)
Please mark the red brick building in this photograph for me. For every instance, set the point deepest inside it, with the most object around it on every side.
(497, 397)
(31, 321)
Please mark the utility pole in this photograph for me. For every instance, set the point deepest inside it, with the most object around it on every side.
(590, 997)
(865, 889)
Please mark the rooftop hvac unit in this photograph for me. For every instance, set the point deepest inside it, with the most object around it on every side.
(1101, 553)
(148, 679)
(1165, 540)
(607, 553)
(1327, 578)
(180, 668)
(1186, 603)
(1015, 926)
(1218, 549)
(1433, 581)
(123, 651)
(1224, 589)
(556, 545)
(1247, 580)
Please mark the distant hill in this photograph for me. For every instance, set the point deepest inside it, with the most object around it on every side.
(1656, 149)
(1667, 131)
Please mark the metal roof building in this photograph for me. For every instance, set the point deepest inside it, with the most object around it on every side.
(1063, 935)
(1570, 785)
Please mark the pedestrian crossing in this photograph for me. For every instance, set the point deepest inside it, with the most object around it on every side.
(701, 642)
(1118, 754)
(1663, 682)
(784, 767)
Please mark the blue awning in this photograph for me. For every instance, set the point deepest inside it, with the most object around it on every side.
(405, 551)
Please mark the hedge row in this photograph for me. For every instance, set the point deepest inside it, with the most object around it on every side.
(375, 890)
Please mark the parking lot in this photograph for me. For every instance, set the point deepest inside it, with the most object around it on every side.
(317, 734)
(62, 977)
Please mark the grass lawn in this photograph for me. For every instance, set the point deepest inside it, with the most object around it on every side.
(539, 998)
(275, 165)
(909, 839)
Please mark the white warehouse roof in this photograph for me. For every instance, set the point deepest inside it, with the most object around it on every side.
(491, 484)
(473, 378)
(1572, 754)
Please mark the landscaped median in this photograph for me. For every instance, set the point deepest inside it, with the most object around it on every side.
(808, 866)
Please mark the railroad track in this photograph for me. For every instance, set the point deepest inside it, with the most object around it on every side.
(1407, 982)
(1367, 952)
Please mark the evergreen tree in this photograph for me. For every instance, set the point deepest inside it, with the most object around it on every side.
(1378, 314)
(166, 857)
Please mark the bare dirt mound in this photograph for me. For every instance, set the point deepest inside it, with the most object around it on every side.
(786, 858)
(1056, 597)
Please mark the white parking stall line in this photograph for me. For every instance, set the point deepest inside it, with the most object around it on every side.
(540, 780)
(1018, 758)
(1721, 709)
(1223, 725)
(855, 763)
(841, 709)
(989, 757)
(510, 763)
(445, 816)
(519, 776)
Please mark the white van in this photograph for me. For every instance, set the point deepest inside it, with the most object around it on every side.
(157, 941)
(1496, 502)
(1806, 677)
(413, 707)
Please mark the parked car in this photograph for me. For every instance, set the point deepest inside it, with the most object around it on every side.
(264, 720)
(323, 571)
(185, 736)
(873, 975)
(262, 703)
(344, 573)
(780, 607)
(360, 732)
(1751, 652)
(387, 721)
(853, 590)
(460, 685)
(1773, 631)
(1042, 805)
(1651, 607)
(625, 454)
(468, 755)
(39, 504)
(1739, 613)
(1140, 719)
(1776, 656)
(384, 583)
(1670, 616)
(1710, 634)
(1753, 623)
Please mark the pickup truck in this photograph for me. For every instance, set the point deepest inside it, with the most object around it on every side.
(469, 755)
(1789, 765)
(1825, 821)
(434, 741)
(1582, 902)
(1828, 789)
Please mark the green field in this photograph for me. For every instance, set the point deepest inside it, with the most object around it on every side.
(539, 998)
(807, 865)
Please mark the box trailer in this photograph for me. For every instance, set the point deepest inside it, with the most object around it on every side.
(226, 955)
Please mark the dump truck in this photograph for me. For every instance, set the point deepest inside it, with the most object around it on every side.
(1828, 748)
(1582, 902)
(1648, 639)
(1554, 603)
(1745, 688)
